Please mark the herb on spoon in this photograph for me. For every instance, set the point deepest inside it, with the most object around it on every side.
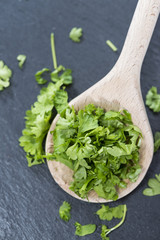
(102, 149)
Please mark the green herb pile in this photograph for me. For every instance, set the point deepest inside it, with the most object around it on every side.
(102, 148)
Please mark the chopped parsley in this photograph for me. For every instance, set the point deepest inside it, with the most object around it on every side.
(5, 75)
(83, 230)
(21, 59)
(154, 186)
(39, 116)
(64, 211)
(102, 148)
(76, 34)
(111, 45)
(153, 99)
(156, 141)
(105, 230)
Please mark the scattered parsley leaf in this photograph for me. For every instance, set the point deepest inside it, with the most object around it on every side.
(5, 75)
(154, 186)
(85, 229)
(105, 230)
(153, 99)
(111, 45)
(75, 34)
(102, 149)
(21, 59)
(64, 211)
(156, 141)
(38, 76)
(107, 213)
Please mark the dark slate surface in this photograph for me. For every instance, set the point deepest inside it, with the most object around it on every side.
(29, 197)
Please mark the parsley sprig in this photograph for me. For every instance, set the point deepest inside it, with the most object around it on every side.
(105, 230)
(38, 118)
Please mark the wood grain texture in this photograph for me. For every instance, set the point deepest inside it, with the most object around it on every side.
(119, 89)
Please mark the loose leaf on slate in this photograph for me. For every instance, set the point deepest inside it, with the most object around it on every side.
(153, 99)
(108, 213)
(83, 230)
(21, 59)
(154, 186)
(64, 211)
(5, 75)
(75, 34)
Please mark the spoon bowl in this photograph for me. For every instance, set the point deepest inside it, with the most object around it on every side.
(119, 89)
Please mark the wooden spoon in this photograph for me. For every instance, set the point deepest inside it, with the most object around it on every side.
(119, 89)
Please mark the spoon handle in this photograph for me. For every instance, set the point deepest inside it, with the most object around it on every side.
(139, 35)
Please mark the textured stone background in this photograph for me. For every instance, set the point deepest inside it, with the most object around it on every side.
(29, 197)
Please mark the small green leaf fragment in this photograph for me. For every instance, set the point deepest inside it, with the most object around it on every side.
(40, 80)
(111, 45)
(21, 59)
(154, 186)
(5, 75)
(83, 230)
(75, 34)
(153, 99)
(64, 211)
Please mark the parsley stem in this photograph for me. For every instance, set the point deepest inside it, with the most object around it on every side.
(120, 223)
(53, 51)
(111, 45)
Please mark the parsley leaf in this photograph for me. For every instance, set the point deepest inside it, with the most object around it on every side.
(75, 34)
(107, 213)
(153, 99)
(105, 230)
(85, 229)
(64, 211)
(102, 149)
(154, 186)
(5, 75)
(38, 76)
(21, 59)
(156, 141)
